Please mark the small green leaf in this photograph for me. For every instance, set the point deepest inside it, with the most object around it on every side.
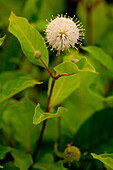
(107, 159)
(40, 115)
(99, 55)
(3, 151)
(22, 160)
(70, 67)
(12, 83)
(2, 40)
(29, 38)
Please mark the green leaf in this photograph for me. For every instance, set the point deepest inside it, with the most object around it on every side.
(47, 166)
(63, 87)
(40, 115)
(12, 83)
(2, 40)
(95, 134)
(10, 55)
(97, 93)
(29, 38)
(70, 67)
(99, 55)
(17, 122)
(80, 106)
(47, 163)
(107, 159)
(3, 151)
(22, 160)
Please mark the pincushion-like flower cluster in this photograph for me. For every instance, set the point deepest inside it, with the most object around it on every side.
(62, 32)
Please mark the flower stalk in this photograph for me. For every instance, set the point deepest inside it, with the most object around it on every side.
(61, 33)
(47, 109)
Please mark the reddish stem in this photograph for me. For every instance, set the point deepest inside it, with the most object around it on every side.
(58, 55)
(9, 142)
(108, 89)
(47, 68)
(50, 94)
(60, 75)
(47, 109)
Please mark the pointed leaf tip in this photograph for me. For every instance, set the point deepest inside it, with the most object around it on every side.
(2, 40)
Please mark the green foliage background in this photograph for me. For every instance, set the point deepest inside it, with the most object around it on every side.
(85, 99)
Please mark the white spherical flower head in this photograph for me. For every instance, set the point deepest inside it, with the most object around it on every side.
(62, 32)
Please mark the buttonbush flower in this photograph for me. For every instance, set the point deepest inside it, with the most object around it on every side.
(62, 32)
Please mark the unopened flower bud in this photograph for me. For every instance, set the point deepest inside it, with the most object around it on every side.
(37, 54)
(71, 154)
(75, 60)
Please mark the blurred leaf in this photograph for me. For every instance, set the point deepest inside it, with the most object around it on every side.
(95, 134)
(99, 55)
(30, 9)
(50, 7)
(96, 92)
(22, 160)
(49, 165)
(99, 18)
(3, 151)
(40, 24)
(40, 115)
(12, 83)
(47, 158)
(9, 165)
(70, 67)
(2, 40)
(106, 41)
(5, 9)
(107, 159)
(17, 122)
(1, 166)
(10, 54)
(29, 38)
(81, 105)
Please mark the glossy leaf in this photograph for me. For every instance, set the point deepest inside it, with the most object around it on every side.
(12, 83)
(63, 87)
(29, 38)
(40, 115)
(2, 40)
(22, 160)
(3, 151)
(70, 67)
(95, 134)
(99, 55)
(107, 159)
